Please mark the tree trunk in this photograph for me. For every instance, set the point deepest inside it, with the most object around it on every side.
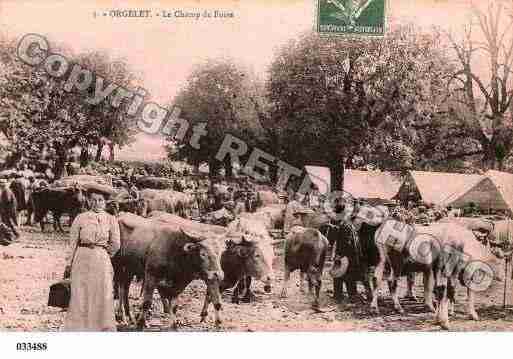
(489, 159)
(337, 175)
(111, 152)
(60, 162)
(228, 167)
(99, 150)
(84, 157)
(213, 168)
(273, 169)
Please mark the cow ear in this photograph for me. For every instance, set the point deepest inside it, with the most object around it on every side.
(189, 247)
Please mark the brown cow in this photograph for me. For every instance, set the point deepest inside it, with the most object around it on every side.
(169, 259)
(306, 249)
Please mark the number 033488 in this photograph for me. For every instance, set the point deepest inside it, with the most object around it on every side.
(31, 346)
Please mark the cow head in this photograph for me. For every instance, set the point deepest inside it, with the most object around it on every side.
(78, 197)
(205, 262)
(252, 260)
(6, 235)
(202, 257)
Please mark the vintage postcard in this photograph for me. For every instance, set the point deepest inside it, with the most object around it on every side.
(255, 166)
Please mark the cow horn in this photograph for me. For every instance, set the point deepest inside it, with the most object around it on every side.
(192, 236)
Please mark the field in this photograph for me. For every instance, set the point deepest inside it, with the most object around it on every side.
(30, 266)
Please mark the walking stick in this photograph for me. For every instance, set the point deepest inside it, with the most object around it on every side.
(506, 265)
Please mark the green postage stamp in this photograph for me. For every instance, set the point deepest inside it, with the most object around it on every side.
(351, 17)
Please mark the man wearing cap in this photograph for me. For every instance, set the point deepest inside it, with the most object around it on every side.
(8, 207)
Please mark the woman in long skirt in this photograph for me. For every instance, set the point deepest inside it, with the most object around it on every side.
(95, 236)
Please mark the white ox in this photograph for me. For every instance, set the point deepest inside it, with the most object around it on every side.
(450, 252)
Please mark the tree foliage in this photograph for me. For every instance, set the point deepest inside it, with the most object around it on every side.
(339, 100)
(36, 111)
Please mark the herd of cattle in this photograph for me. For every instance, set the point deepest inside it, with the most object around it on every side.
(166, 249)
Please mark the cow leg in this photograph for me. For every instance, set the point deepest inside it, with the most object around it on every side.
(123, 304)
(368, 282)
(286, 279)
(212, 296)
(429, 284)
(237, 291)
(338, 289)
(248, 295)
(471, 305)
(410, 281)
(164, 299)
(310, 286)
(57, 219)
(377, 280)
(126, 303)
(204, 310)
(442, 310)
(29, 216)
(150, 282)
(302, 282)
(314, 282)
(394, 293)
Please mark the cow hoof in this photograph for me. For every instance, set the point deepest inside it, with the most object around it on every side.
(444, 325)
(474, 316)
(283, 293)
(431, 308)
(235, 300)
(316, 307)
(218, 322)
(399, 310)
(375, 310)
(141, 325)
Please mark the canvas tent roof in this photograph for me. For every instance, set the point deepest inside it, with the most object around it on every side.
(485, 194)
(442, 188)
(360, 184)
(320, 176)
(371, 184)
(503, 181)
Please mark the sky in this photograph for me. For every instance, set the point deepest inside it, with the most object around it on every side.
(163, 50)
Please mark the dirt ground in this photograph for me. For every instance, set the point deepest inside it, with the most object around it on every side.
(29, 266)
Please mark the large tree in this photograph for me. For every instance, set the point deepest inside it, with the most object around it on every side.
(218, 94)
(36, 111)
(339, 99)
(482, 79)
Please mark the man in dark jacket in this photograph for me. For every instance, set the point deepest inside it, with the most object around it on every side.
(342, 236)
